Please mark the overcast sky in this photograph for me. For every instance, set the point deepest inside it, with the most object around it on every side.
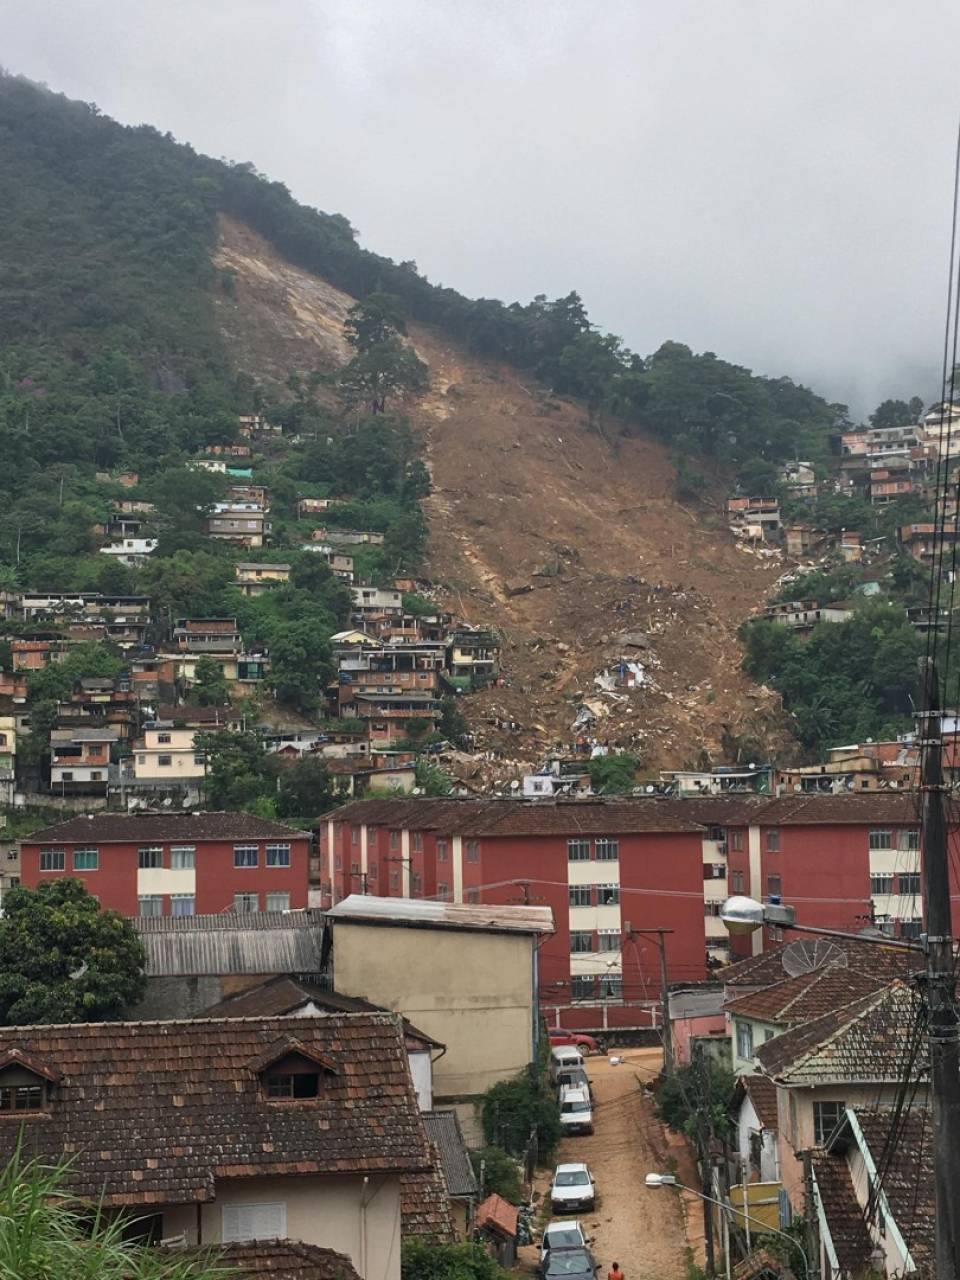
(767, 179)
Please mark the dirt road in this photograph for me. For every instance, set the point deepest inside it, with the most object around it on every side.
(639, 1228)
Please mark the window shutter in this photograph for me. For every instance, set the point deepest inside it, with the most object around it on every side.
(254, 1222)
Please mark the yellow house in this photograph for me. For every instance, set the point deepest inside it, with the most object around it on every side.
(465, 974)
(166, 754)
(253, 579)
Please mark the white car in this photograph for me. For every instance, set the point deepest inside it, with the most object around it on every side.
(562, 1235)
(576, 1111)
(572, 1188)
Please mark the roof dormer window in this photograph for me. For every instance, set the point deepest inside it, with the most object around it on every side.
(24, 1083)
(293, 1072)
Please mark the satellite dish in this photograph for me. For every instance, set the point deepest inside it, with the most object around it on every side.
(650, 789)
(807, 954)
(515, 785)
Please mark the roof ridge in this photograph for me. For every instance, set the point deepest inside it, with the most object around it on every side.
(866, 1004)
(385, 1015)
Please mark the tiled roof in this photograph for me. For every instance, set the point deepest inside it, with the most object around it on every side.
(155, 1112)
(777, 963)
(425, 1205)
(849, 1234)
(497, 1213)
(443, 1130)
(280, 996)
(258, 942)
(763, 1095)
(907, 1173)
(759, 1265)
(521, 818)
(867, 1040)
(276, 1260)
(160, 828)
(419, 913)
(874, 809)
(808, 996)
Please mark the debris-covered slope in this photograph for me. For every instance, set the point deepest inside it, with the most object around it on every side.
(576, 550)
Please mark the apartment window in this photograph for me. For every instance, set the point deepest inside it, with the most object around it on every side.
(773, 840)
(245, 855)
(150, 904)
(53, 859)
(355, 835)
(581, 987)
(609, 939)
(712, 908)
(395, 881)
(163, 739)
(66, 775)
(910, 928)
(182, 904)
(909, 882)
(254, 1222)
(881, 839)
(150, 857)
(200, 759)
(183, 857)
(611, 987)
(581, 940)
(608, 849)
(416, 841)
(473, 895)
(246, 903)
(774, 886)
(86, 859)
(416, 882)
(881, 884)
(736, 882)
(443, 891)
(442, 851)
(580, 895)
(908, 838)
(278, 855)
(714, 871)
(578, 850)
(96, 776)
(826, 1117)
(394, 839)
(141, 759)
(473, 850)
(735, 841)
(372, 871)
(608, 895)
(278, 902)
(338, 862)
(744, 1040)
(164, 762)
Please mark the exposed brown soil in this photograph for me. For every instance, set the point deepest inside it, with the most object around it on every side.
(527, 496)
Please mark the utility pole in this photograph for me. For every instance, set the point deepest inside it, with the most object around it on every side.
(942, 1030)
(666, 1029)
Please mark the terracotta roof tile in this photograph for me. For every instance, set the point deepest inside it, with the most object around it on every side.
(425, 1205)
(908, 1177)
(808, 996)
(867, 1040)
(160, 828)
(520, 818)
(849, 1234)
(498, 1213)
(763, 1095)
(186, 1092)
(777, 963)
(277, 1260)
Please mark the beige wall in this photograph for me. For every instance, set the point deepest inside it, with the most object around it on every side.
(321, 1211)
(471, 991)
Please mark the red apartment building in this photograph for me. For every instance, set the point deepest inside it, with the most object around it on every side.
(608, 871)
(160, 864)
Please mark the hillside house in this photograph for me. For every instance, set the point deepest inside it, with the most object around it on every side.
(215, 466)
(8, 758)
(254, 578)
(697, 1025)
(340, 564)
(241, 522)
(135, 506)
(316, 506)
(228, 450)
(466, 976)
(348, 537)
(355, 778)
(167, 755)
(851, 551)
(246, 492)
(131, 551)
(375, 601)
(799, 478)
(389, 713)
(80, 760)
(207, 635)
(757, 519)
(473, 657)
(802, 539)
(926, 542)
(886, 485)
(96, 703)
(804, 615)
(263, 1129)
(174, 863)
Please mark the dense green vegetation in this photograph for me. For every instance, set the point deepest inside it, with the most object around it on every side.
(514, 1109)
(422, 1261)
(62, 959)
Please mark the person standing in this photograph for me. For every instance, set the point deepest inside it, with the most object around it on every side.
(615, 1273)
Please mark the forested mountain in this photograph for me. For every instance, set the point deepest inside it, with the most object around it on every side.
(110, 353)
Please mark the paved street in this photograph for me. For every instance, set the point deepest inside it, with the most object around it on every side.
(639, 1228)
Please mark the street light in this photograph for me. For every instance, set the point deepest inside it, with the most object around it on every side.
(743, 916)
(654, 1180)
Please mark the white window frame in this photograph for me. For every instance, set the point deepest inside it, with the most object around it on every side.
(183, 857)
(744, 1041)
(264, 1221)
(271, 901)
(607, 849)
(155, 851)
(272, 850)
(578, 849)
(245, 850)
(154, 900)
(58, 858)
(179, 900)
(87, 849)
(881, 838)
(246, 909)
(580, 895)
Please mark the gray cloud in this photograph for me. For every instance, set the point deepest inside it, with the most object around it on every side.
(767, 179)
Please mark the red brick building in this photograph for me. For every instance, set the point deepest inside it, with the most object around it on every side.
(163, 864)
(608, 871)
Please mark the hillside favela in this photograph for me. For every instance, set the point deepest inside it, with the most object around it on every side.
(479, 777)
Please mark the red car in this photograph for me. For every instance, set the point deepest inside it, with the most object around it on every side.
(587, 1043)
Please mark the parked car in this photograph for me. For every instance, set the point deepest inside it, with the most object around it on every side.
(573, 1078)
(572, 1188)
(562, 1235)
(588, 1043)
(569, 1264)
(566, 1055)
(576, 1111)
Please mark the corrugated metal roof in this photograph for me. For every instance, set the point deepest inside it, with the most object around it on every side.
(443, 1130)
(418, 913)
(696, 1004)
(267, 942)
